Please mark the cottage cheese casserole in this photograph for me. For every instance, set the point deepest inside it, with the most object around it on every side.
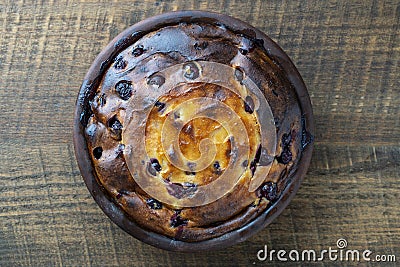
(193, 130)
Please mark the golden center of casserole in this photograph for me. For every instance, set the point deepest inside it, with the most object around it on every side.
(193, 132)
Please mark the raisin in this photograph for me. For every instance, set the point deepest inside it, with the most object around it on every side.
(268, 190)
(188, 184)
(258, 154)
(154, 204)
(239, 75)
(246, 46)
(259, 42)
(102, 100)
(177, 115)
(138, 50)
(97, 152)
(120, 63)
(286, 139)
(220, 95)
(217, 167)
(191, 166)
(276, 122)
(159, 105)
(286, 156)
(151, 169)
(249, 104)
(121, 193)
(253, 167)
(124, 89)
(91, 131)
(201, 45)
(120, 150)
(189, 129)
(243, 51)
(191, 71)
(181, 190)
(245, 163)
(176, 220)
(115, 127)
(253, 163)
(156, 80)
(85, 116)
(155, 164)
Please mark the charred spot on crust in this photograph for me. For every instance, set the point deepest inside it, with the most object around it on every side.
(127, 40)
(85, 97)
(306, 137)
(121, 193)
(253, 163)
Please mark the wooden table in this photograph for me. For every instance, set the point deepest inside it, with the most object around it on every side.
(348, 53)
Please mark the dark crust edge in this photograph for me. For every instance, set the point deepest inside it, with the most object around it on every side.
(82, 154)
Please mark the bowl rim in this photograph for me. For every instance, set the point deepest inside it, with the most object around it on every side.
(126, 38)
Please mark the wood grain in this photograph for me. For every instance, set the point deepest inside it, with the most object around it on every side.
(348, 53)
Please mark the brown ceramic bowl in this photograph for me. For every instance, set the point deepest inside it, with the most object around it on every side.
(151, 97)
